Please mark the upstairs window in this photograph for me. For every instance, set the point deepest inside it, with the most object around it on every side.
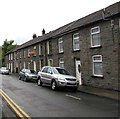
(24, 54)
(95, 37)
(60, 45)
(49, 47)
(97, 65)
(28, 52)
(11, 56)
(20, 54)
(76, 42)
(34, 51)
(40, 49)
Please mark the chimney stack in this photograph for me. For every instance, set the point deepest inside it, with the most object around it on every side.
(34, 36)
(43, 31)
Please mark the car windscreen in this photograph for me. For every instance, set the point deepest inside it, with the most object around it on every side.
(4, 68)
(31, 71)
(61, 71)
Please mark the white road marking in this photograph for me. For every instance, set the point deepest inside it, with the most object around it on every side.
(73, 97)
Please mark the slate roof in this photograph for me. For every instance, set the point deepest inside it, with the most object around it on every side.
(110, 11)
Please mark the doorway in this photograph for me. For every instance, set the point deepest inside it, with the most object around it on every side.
(78, 70)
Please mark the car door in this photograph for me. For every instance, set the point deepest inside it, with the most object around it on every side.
(22, 73)
(49, 75)
(43, 75)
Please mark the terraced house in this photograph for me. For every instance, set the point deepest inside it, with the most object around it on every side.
(89, 48)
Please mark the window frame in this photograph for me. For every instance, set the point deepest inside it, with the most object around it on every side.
(97, 61)
(60, 42)
(94, 33)
(61, 62)
(76, 38)
(35, 50)
(49, 62)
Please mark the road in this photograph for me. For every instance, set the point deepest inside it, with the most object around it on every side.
(43, 102)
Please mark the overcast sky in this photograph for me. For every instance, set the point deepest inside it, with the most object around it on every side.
(19, 19)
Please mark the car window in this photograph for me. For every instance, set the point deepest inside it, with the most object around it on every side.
(49, 70)
(32, 71)
(27, 71)
(62, 71)
(4, 68)
(45, 69)
(23, 70)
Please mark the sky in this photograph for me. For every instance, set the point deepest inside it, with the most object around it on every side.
(20, 19)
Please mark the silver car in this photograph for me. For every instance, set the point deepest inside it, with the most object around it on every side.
(57, 77)
(4, 70)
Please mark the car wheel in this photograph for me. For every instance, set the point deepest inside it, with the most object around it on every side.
(19, 78)
(25, 79)
(53, 85)
(39, 82)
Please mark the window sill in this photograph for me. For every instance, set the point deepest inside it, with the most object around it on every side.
(102, 77)
(76, 51)
(60, 52)
(94, 47)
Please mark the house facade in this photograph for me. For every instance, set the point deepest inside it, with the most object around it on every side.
(89, 48)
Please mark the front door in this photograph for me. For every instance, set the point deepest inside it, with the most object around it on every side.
(78, 70)
(34, 66)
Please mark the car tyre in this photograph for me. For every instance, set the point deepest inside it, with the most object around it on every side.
(53, 85)
(39, 82)
(25, 79)
(19, 78)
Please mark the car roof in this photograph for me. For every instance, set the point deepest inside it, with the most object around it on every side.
(53, 67)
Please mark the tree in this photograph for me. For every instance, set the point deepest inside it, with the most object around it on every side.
(6, 47)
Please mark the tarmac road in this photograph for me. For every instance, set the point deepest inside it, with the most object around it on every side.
(43, 102)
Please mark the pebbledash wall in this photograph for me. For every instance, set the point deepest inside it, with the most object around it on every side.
(89, 48)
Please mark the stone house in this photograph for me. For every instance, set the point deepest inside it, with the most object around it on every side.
(89, 48)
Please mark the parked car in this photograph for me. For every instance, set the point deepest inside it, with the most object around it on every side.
(57, 77)
(28, 75)
(4, 70)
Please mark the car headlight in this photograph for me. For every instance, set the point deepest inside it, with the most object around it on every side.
(61, 79)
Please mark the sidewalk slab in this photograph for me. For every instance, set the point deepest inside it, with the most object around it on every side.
(100, 92)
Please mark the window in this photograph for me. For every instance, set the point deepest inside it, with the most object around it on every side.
(34, 52)
(97, 65)
(11, 56)
(24, 54)
(61, 63)
(14, 55)
(41, 64)
(40, 49)
(50, 62)
(60, 45)
(28, 52)
(28, 65)
(49, 47)
(24, 65)
(20, 54)
(95, 37)
(49, 70)
(45, 70)
(76, 42)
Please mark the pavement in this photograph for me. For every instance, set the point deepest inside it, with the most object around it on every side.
(112, 94)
